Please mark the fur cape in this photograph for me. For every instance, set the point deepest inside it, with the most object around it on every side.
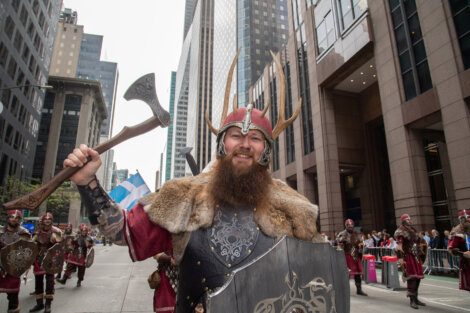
(184, 205)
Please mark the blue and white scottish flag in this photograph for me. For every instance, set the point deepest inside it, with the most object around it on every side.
(129, 191)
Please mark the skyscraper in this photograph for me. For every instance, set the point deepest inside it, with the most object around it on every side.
(27, 32)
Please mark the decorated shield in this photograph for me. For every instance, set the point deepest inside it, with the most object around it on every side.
(17, 257)
(54, 259)
(90, 257)
(293, 276)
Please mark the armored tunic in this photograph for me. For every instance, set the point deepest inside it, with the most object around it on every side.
(8, 283)
(80, 245)
(458, 243)
(351, 242)
(408, 238)
(45, 239)
(213, 253)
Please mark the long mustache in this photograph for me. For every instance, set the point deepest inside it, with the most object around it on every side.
(243, 151)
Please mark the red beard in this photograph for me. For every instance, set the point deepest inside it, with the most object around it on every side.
(240, 186)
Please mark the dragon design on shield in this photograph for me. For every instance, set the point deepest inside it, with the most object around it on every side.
(315, 297)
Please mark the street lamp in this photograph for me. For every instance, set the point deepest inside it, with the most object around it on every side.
(21, 86)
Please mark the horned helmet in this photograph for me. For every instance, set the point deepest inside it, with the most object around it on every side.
(249, 118)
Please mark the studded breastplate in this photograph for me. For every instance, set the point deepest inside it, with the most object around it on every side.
(8, 237)
(213, 253)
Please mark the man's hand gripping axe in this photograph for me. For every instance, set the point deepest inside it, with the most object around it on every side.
(142, 89)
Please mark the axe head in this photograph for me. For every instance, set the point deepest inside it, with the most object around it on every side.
(186, 150)
(144, 89)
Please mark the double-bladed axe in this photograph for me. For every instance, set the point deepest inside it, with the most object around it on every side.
(142, 89)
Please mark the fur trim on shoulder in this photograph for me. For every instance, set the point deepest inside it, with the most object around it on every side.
(289, 213)
(181, 205)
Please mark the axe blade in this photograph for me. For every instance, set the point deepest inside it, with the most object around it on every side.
(144, 89)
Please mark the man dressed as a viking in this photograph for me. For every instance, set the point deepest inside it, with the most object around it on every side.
(352, 244)
(77, 257)
(409, 256)
(212, 223)
(9, 234)
(45, 237)
(68, 237)
(459, 245)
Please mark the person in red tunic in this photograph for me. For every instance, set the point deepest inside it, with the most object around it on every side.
(9, 234)
(46, 236)
(68, 236)
(77, 257)
(459, 245)
(352, 244)
(409, 258)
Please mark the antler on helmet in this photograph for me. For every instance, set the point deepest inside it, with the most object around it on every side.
(281, 124)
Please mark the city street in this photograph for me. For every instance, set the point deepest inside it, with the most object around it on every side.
(114, 284)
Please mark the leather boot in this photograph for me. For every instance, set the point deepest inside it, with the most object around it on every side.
(47, 307)
(413, 303)
(79, 283)
(359, 291)
(62, 281)
(419, 302)
(38, 307)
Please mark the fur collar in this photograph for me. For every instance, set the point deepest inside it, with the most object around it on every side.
(184, 205)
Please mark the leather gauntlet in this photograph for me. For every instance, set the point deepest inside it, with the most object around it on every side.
(102, 210)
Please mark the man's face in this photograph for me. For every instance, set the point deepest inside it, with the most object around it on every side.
(407, 221)
(246, 149)
(13, 221)
(47, 221)
(350, 226)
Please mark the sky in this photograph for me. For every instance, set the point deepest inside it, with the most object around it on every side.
(142, 36)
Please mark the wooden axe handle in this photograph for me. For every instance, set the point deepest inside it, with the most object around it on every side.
(32, 200)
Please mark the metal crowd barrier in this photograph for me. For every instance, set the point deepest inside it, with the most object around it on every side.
(437, 260)
(440, 261)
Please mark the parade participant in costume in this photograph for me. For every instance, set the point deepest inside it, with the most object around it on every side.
(68, 236)
(409, 253)
(164, 281)
(9, 234)
(45, 237)
(352, 244)
(192, 218)
(77, 257)
(459, 245)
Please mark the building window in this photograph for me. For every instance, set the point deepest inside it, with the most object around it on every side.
(461, 15)
(289, 132)
(304, 87)
(325, 29)
(274, 116)
(410, 47)
(9, 27)
(350, 10)
(3, 54)
(437, 184)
